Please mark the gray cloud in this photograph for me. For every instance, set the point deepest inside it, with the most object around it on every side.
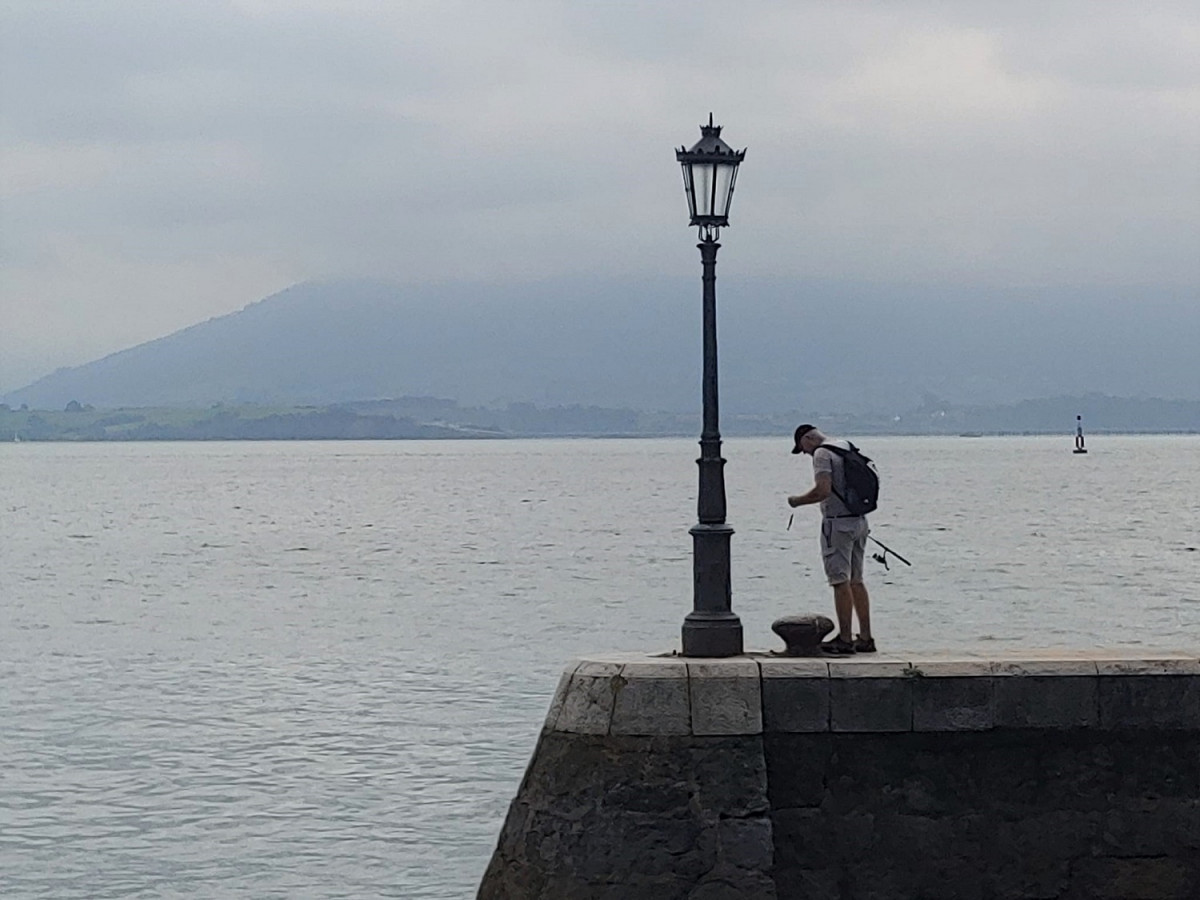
(163, 163)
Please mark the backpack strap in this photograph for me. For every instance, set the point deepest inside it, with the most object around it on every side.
(840, 451)
(843, 453)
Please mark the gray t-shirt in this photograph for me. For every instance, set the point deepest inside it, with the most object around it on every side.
(825, 461)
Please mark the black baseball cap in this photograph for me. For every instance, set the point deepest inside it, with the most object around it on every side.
(801, 431)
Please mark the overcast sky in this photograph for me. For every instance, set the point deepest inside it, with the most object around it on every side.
(163, 163)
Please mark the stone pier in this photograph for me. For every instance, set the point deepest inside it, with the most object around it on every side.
(1026, 777)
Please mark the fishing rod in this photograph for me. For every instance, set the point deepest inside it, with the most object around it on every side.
(878, 557)
(882, 557)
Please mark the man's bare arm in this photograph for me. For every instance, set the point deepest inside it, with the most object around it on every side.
(819, 491)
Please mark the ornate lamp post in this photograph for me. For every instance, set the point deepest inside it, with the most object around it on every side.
(711, 628)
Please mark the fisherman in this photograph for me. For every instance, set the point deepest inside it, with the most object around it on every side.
(843, 541)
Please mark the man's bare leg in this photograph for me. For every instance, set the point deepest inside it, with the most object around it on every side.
(862, 609)
(843, 605)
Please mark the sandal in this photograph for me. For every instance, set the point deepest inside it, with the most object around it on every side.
(864, 645)
(838, 647)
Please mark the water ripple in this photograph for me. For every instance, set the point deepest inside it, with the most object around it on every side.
(221, 683)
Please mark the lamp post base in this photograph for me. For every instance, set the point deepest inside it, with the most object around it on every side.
(712, 628)
(712, 635)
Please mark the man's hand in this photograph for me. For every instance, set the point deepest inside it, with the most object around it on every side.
(820, 490)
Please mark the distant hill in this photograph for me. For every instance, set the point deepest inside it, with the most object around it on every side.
(321, 343)
(1050, 415)
(432, 418)
(849, 350)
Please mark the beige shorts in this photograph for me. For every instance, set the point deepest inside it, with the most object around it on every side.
(843, 543)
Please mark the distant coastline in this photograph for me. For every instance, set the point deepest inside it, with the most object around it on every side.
(425, 418)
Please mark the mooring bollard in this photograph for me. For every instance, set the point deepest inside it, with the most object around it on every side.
(802, 634)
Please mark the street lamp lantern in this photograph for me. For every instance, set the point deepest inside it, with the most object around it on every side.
(712, 628)
(709, 173)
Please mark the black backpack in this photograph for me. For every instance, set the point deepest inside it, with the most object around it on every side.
(862, 480)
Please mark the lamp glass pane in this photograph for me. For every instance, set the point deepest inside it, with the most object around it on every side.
(687, 188)
(702, 176)
(724, 188)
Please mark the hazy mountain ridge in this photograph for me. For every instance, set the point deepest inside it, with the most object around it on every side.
(864, 351)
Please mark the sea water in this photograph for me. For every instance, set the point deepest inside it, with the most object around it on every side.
(315, 670)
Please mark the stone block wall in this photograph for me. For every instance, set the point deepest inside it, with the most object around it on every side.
(1015, 815)
(1063, 776)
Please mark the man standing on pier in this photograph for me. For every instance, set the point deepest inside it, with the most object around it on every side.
(843, 540)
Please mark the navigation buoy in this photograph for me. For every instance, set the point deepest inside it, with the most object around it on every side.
(1079, 448)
